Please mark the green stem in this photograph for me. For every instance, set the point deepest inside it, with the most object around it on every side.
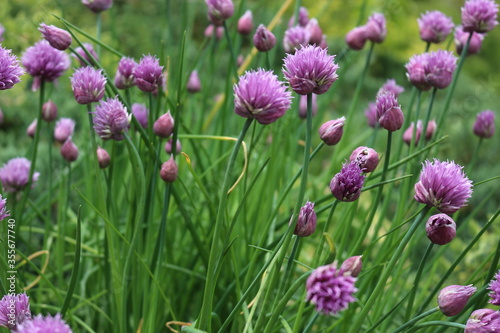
(234, 63)
(411, 300)
(474, 158)
(359, 85)
(296, 12)
(98, 34)
(439, 323)
(319, 252)
(417, 318)
(427, 119)
(311, 322)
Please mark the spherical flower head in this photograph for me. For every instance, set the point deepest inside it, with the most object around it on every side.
(245, 23)
(260, 95)
(303, 18)
(81, 52)
(330, 289)
(315, 32)
(310, 70)
(69, 151)
(168, 146)
(440, 229)
(494, 287)
(103, 158)
(484, 127)
(164, 126)
(371, 115)
(306, 224)
(376, 28)
(88, 85)
(303, 106)
(348, 183)
(98, 6)
(111, 119)
(3, 209)
(41, 324)
(141, 112)
(366, 158)
(194, 83)
(479, 15)
(434, 26)
(15, 174)
(443, 185)
(49, 111)
(331, 132)
(219, 10)
(57, 38)
(148, 73)
(295, 37)
(356, 38)
(439, 68)
(10, 69)
(64, 129)
(415, 71)
(124, 77)
(461, 38)
(352, 265)
(44, 63)
(18, 306)
(483, 321)
(264, 40)
(169, 171)
(389, 114)
(391, 86)
(453, 299)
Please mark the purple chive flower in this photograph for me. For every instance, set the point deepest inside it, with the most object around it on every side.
(169, 171)
(245, 23)
(3, 209)
(443, 185)
(391, 86)
(219, 10)
(44, 63)
(98, 6)
(461, 38)
(15, 174)
(331, 132)
(124, 77)
(453, 299)
(315, 32)
(389, 114)
(49, 111)
(494, 287)
(440, 229)
(69, 151)
(303, 106)
(483, 321)
(88, 85)
(57, 38)
(347, 184)
(371, 114)
(164, 126)
(64, 129)
(356, 38)
(479, 15)
(103, 158)
(81, 52)
(439, 68)
(306, 224)
(111, 119)
(194, 83)
(310, 70)
(366, 158)
(148, 73)
(141, 112)
(295, 37)
(376, 28)
(14, 311)
(43, 324)
(352, 266)
(303, 18)
(260, 95)
(10, 69)
(484, 127)
(330, 289)
(416, 73)
(434, 26)
(264, 40)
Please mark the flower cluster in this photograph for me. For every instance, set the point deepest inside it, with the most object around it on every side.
(431, 70)
(15, 174)
(434, 26)
(111, 119)
(348, 183)
(374, 30)
(10, 69)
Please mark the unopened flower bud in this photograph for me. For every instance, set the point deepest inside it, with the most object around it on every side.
(49, 111)
(263, 39)
(169, 171)
(98, 6)
(245, 23)
(306, 224)
(219, 10)
(352, 265)
(194, 83)
(64, 129)
(315, 32)
(431, 129)
(389, 113)
(57, 38)
(452, 299)
(484, 127)
(164, 126)
(356, 38)
(103, 158)
(331, 131)
(31, 130)
(69, 151)
(168, 146)
(366, 158)
(441, 229)
(376, 28)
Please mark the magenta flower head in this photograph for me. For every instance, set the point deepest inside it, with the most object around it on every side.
(260, 95)
(483, 321)
(124, 77)
(303, 106)
(44, 325)
(330, 289)
(194, 83)
(14, 174)
(169, 171)
(494, 287)
(303, 18)
(57, 38)
(453, 299)
(315, 32)
(14, 311)
(376, 28)
(103, 158)
(64, 129)
(219, 10)
(81, 52)
(111, 119)
(391, 86)
(416, 71)
(306, 224)
(371, 115)
(245, 23)
(141, 112)
(439, 68)
(389, 114)
(479, 15)
(69, 151)
(440, 229)
(484, 127)
(443, 185)
(434, 26)
(264, 40)
(49, 111)
(352, 265)
(295, 37)
(98, 6)
(44, 63)
(3, 210)
(348, 183)
(366, 158)
(356, 38)
(148, 74)
(310, 70)
(331, 132)
(10, 69)
(88, 85)
(461, 38)
(164, 126)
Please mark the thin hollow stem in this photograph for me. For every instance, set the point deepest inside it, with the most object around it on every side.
(411, 299)
(417, 318)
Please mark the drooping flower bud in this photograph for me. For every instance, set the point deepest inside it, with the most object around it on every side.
(441, 229)
(352, 265)
(169, 171)
(49, 111)
(484, 127)
(103, 158)
(331, 132)
(453, 299)
(306, 224)
(389, 113)
(245, 23)
(164, 126)
(194, 83)
(264, 40)
(356, 38)
(366, 158)
(348, 183)
(57, 38)
(69, 150)
(31, 130)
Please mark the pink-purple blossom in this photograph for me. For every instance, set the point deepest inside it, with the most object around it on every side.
(57, 38)
(391, 86)
(484, 126)
(3, 208)
(306, 223)
(494, 288)
(331, 132)
(483, 321)
(141, 112)
(434, 26)
(479, 15)
(439, 68)
(454, 298)
(88, 85)
(81, 52)
(366, 158)
(371, 114)
(194, 84)
(21, 306)
(375, 28)
(124, 77)
(41, 324)
(64, 129)
(264, 40)
(356, 38)
(98, 6)
(111, 119)
(245, 23)
(461, 38)
(15, 174)
(348, 183)
(295, 38)
(389, 114)
(219, 10)
(440, 229)
(148, 74)
(10, 69)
